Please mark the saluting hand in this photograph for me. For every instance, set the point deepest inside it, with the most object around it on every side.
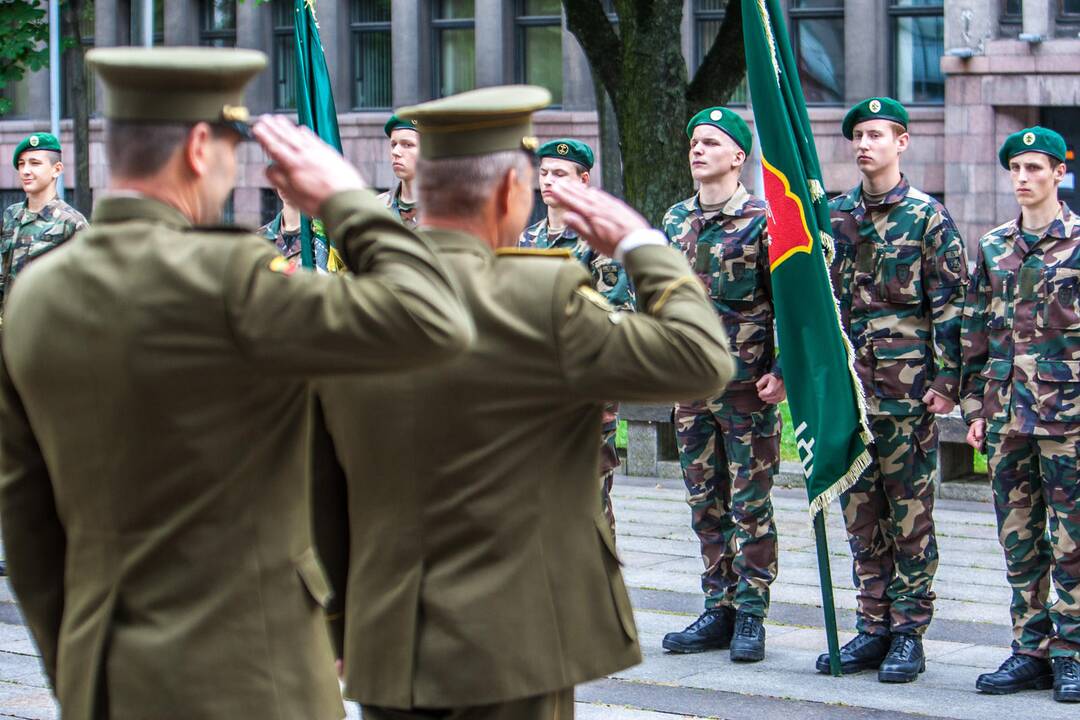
(602, 219)
(304, 169)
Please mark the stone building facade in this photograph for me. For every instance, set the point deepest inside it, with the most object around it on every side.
(970, 72)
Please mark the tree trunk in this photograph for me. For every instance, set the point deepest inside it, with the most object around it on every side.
(73, 10)
(610, 152)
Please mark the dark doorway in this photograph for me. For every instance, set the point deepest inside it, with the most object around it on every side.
(1066, 120)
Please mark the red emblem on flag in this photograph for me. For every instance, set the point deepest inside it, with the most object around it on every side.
(786, 217)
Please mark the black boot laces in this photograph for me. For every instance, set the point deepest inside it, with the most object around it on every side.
(1070, 669)
(902, 646)
(747, 626)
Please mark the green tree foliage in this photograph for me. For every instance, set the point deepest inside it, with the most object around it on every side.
(24, 42)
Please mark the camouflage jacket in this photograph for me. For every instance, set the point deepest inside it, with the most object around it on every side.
(392, 198)
(26, 235)
(1022, 331)
(729, 251)
(899, 274)
(288, 244)
(609, 277)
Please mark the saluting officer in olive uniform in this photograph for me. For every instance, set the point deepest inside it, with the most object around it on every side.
(404, 150)
(729, 444)
(566, 159)
(154, 451)
(482, 581)
(1021, 395)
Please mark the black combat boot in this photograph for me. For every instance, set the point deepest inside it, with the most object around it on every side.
(1018, 672)
(748, 644)
(1066, 679)
(711, 631)
(905, 660)
(863, 652)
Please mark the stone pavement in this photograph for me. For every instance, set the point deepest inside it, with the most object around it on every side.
(969, 634)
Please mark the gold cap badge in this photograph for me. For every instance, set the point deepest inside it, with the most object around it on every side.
(530, 143)
(875, 106)
(715, 115)
(34, 141)
(1029, 138)
(562, 148)
(235, 113)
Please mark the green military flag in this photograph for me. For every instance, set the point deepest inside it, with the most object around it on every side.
(315, 108)
(827, 408)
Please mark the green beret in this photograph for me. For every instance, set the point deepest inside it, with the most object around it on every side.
(37, 141)
(177, 84)
(478, 122)
(727, 120)
(568, 149)
(1032, 139)
(875, 108)
(396, 123)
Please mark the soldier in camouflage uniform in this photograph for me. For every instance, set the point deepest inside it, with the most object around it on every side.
(561, 159)
(899, 273)
(404, 149)
(1021, 394)
(284, 232)
(42, 221)
(729, 445)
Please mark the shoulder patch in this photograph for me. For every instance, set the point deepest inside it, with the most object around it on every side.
(533, 252)
(595, 298)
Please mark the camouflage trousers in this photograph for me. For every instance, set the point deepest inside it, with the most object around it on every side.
(609, 460)
(890, 525)
(1037, 488)
(728, 460)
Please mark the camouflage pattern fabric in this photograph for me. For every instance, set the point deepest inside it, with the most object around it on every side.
(1036, 488)
(406, 213)
(729, 446)
(728, 250)
(900, 273)
(890, 524)
(729, 459)
(26, 235)
(1021, 348)
(609, 460)
(288, 244)
(609, 277)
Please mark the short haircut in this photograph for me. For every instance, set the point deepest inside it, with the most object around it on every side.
(897, 129)
(53, 155)
(138, 149)
(456, 187)
(1054, 162)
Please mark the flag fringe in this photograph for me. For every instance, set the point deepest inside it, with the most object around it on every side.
(766, 24)
(817, 192)
(838, 488)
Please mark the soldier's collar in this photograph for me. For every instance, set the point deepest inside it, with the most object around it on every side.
(566, 232)
(133, 206)
(734, 207)
(1060, 228)
(892, 197)
(457, 240)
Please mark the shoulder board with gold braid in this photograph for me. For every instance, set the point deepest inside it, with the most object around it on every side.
(533, 252)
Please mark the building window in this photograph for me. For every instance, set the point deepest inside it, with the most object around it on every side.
(372, 62)
(918, 42)
(284, 53)
(136, 26)
(454, 31)
(708, 17)
(1070, 10)
(217, 23)
(817, 35)
(1012, 10)
(539, 42)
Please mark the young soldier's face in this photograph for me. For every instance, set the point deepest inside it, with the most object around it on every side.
(877, 146)
(713, 154)
(37, 171)
(404, 149)
(1033, 180)
(553, 170)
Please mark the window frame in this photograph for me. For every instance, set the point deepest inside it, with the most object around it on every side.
(1065, 16)
(795, 14)
(208, 35)
(698, 16)
(438, 25)
(895, 12)
(522, 23)
(357, 29)
(277, 32)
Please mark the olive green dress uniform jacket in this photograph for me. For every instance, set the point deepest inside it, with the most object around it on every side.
(154, 428)
(480, 568)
